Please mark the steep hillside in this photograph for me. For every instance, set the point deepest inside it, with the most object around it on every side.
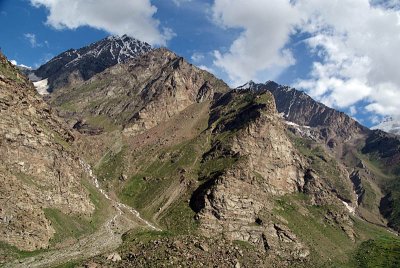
(368, 159)
(81, 64)
(228, 176)
(40, 177)
(258, 176)
(138, 95)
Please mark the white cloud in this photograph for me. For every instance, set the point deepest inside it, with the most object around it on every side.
(356, 43)
(132, 17)
(180, 2)
(15, 63)
(197, 57)
(266, 26)
(205, 68)
(32, 39)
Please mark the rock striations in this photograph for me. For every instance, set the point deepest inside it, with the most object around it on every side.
(142, 93)
(37, 170)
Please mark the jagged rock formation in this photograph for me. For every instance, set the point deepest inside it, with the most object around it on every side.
(140, 94)
(81, 64)
(37, 169)
(333, 126)
(264, 166)
(344, 136)
(247, 126)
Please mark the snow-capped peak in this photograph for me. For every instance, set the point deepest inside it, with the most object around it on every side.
(390, 125)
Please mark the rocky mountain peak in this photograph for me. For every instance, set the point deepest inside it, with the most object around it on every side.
(390, 125)
(81, 64)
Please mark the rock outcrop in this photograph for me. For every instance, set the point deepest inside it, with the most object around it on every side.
(266, 165)
(37, 169)
(81, 64)
(142, 93)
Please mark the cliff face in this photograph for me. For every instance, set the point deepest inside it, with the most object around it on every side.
(266, 165)
(37, 170)
(142, 93)
(330, 126)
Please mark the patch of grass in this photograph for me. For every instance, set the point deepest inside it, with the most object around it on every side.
(144, 235)
(179, 218)
(9, 253)
(329, 245)
(369, 200)
(75, 226)
(67, 226)
(111, 166)
(10, 72)
(326, 167)
(380, 252)
(103, 122)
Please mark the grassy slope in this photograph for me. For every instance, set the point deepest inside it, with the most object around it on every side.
(330, 246)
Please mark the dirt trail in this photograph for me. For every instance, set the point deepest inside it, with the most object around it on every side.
(106, 238)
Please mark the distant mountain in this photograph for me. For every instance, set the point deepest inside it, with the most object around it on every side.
(141, 93)
(298, 107)
(389, 125)
(81, 64)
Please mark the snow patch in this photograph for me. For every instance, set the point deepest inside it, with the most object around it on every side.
(42, 86)
(389, 125)
(351, 209)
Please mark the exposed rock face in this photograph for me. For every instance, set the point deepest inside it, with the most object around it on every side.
(37, 170)
(142, 93)
(266, 165)
(297, 107)
(77, 65)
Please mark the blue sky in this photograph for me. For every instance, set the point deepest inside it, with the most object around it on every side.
(343, 53)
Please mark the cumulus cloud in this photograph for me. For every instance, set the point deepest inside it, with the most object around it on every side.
(132, 17)
(14, 62)
(197, 57)
(180, 2)
(355, 43)
(266, 28)
(31, 39)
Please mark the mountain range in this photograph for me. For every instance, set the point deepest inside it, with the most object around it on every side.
(137, 158)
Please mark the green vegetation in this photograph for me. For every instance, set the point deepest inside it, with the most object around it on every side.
(103, 122)
(75, 226)
(380, 252)
(9, 253)
(163, 177)
(10, 72)
(326, 167)
(179, 218)
(67, 226)
(144, 235)
(111, 166)
(329, 245)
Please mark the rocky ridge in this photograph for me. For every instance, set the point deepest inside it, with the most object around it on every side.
(37, 169)
(140, 94)
(81, 64)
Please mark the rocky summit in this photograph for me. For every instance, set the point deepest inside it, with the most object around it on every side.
(81, 64)
(138, 158)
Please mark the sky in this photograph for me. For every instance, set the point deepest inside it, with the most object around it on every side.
(344, 53)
